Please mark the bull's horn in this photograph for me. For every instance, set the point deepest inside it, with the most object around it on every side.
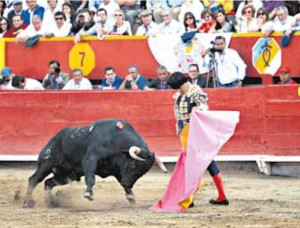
(160, 164)
(134, 151)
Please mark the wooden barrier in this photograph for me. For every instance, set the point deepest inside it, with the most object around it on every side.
(269, 120)
(120, 52)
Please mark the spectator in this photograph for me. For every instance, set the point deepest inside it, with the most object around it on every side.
(249, 22)
(78, 5)
(169, 25)
(6, 78)
(2, 7)
(20, 82)
(263, 23)
(94, 5)
(190, 23)
(148, 26)
(120, 26)
(49, 14)
(69, 12)
(55, 79)
(293, 7)
(161, 81)
(222, 23)
(174, 7)
(4, 26)
(194, 7)
(33, 9)
(283, 20)
(134, 80)
(230, 68)
(216, 5)
(84, 23)
(61, 28)
(18, 26)
(194, 77)
(110, 6)
(17, 10)
(111, 80)
(285, 76)
(103, 24)
(78, 82)
(207, 21)
(239, 12)
(131, 10)
(35, 28)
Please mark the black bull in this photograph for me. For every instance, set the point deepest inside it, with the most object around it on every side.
(105, 148)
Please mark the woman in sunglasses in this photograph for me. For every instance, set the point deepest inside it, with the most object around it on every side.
(4, 26)
(189, 22)
(120, 27)
(263, 23)
(249, 22)
(207, 21)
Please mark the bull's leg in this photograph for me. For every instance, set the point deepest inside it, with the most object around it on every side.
(89, 166)
(42, 171)
(51, 183)
(129, 195)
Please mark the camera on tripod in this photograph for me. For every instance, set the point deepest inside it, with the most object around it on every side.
(213, 49)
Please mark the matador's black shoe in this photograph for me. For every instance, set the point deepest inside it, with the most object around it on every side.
(192, 204)
(222, 202)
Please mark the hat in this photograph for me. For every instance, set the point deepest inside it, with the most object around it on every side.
(31, 41)
(5, 72)
(284, 69)
(15, 2)
(176, 80)
(285, 40)
(145, 13)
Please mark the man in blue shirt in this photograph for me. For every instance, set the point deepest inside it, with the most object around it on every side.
(111, 80)
(134, 80)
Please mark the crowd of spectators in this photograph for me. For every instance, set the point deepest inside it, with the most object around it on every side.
(25, 18)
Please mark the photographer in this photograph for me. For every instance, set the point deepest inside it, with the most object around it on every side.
(229, 68)
(55, 79)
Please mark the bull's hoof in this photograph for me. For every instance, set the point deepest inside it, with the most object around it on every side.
(17, 195)
(28, 203)
(89, 196)
(130, 198)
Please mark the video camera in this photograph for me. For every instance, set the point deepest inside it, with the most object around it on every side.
(213, 49)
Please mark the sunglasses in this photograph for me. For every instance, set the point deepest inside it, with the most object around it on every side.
(118, 15)
(166, 15)
(247, 11)
(59, 18)
(258, 14)
(188, 18)
(206, 16)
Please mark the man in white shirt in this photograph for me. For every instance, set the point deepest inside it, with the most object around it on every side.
(61, 28)
(20, 82)
(229, 66)
(169, 25)
(78, 82)
(148, 27)
(283, 21)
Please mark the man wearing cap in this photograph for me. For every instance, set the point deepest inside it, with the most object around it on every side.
(189, 96)
(285, 76)
(148, 26)
(17, 10)
(6, 78)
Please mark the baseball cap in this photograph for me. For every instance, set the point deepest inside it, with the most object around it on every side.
(284, 69)
(5, 72)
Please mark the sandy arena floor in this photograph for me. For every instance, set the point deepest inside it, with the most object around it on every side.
(256, 200)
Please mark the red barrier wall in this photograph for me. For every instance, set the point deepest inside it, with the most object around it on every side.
(120, 52)
(269, 120)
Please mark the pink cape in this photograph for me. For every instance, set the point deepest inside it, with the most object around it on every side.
(209, 131)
